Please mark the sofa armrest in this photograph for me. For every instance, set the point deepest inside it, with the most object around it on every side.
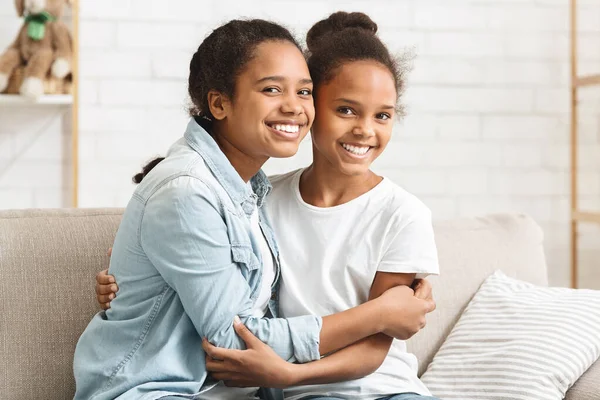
(588, 385)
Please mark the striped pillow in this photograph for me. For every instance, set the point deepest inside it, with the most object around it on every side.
(517, 341)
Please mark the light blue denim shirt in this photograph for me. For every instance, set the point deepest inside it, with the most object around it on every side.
(186, 263)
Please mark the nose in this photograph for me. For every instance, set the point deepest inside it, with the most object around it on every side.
(291, 104)
(364, 127)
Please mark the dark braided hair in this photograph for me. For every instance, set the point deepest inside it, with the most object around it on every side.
(345, 37)
(218, 62)
(137, 178)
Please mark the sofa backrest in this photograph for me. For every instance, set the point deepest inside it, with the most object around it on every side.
(469, 250)
(48, 262)
(49, 259)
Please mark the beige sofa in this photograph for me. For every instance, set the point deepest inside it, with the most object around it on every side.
(48, 260)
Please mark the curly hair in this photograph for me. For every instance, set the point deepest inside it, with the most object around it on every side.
(346, 37)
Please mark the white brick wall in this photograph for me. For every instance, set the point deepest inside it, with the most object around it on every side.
(487, 100)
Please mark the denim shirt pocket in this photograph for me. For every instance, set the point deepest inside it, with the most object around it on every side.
(244, 255)
(249, 265)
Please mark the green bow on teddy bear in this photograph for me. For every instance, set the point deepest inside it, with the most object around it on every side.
(36, 28)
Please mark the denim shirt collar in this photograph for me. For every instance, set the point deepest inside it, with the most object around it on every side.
(203, 143)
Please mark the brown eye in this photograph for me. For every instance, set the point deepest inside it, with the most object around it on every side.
(305, 92)
(345, 110)
(383, 116)
(271, 90)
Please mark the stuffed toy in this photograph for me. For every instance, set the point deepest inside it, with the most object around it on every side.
(39, 60)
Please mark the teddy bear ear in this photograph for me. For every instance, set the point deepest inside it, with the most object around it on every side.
(20, 5)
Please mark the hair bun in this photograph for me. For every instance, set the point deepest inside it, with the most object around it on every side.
(338, 22)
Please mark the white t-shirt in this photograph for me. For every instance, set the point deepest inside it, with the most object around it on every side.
(262, 301)
(220, 391)
(329, 258)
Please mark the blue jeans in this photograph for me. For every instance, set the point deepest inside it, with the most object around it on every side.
(403, 396)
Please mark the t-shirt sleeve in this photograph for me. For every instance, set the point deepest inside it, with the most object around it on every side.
(410, 246)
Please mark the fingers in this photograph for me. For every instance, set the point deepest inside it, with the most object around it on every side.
(105, 298)
(106, 289)
(218, 353)
(210, 350)
(224, 376)
(425, 302)
(232, 379)
(103, 278)
(401, 292)
(428, 305)
(432, 305)
(213, 365)
(244, 333)
(423, 289)
(423, 292)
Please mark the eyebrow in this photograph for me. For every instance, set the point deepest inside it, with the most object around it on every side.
(279, 78)
(385, 106)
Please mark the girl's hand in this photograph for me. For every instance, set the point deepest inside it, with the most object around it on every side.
(106, 287)
(257, 366)
(403, 313)
(423, 290)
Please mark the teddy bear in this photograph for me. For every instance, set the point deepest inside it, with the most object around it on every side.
(40, 57)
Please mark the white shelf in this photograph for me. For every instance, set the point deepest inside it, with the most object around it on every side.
(17, 100)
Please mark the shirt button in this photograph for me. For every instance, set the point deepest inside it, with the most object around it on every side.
(248, 207)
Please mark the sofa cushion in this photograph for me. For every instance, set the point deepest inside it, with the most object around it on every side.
(470, 249)
(517, 340)
(588, 386)
(48, 260)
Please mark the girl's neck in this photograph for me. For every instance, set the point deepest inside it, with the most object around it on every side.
(322, 185)
(245, 165)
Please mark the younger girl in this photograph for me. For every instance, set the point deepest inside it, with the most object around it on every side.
(345, 234)
(195, 248)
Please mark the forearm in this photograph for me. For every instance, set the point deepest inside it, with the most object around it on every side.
(293, 339)
(354, 362)
(300, 336)
(361, 358)
(347, 327)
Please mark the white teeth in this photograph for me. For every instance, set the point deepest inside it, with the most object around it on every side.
(359, 151)
(287, 128)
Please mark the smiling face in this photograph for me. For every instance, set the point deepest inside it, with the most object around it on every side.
(272, 108)
(354, 116)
